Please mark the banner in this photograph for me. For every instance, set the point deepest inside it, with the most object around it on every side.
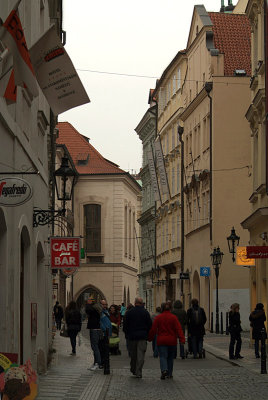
(12, 35)
(161, 166)
(65, 252)
(257, 251)
(153, 174)
(56, 74)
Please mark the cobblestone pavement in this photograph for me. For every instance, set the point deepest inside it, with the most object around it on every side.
(207, 379)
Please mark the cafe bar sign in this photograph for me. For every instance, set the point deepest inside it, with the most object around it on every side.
(14, 192)
(257, 251)
(65, 252)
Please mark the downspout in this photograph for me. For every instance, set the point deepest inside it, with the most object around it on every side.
(180, 133)
(208, 88)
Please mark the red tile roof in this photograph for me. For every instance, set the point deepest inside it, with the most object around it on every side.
(232, 37)
(80, 149)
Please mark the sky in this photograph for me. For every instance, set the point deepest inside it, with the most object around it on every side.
(123, 37)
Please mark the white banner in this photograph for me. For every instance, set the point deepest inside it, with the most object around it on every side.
(153, 174)
(56, 74)
(161, 166)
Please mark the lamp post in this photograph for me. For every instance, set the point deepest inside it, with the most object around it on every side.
(155, 272)
(233, 242)
(216, 258)
(64, 181)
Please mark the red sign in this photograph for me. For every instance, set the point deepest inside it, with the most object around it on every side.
(257, 251)
(65, 252)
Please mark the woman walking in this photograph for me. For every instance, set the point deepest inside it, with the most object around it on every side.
(257, 319)
(73, 320)
(235, 332)
(115, 315)
(167, 328)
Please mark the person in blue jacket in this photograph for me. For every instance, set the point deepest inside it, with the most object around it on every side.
(106, 328)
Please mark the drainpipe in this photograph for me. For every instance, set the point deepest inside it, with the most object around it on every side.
(208, 88)
(180, 133)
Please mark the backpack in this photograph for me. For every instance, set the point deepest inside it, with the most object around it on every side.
(196, 317)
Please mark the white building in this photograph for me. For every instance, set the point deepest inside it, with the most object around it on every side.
(25, 277)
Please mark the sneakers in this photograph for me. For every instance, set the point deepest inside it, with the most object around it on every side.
(164, 375)
(94, 367)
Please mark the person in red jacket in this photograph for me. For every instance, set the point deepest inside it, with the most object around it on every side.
(167, 328)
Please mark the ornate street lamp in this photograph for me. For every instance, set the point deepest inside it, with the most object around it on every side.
(64, 178)
(233, 242)
(216, 258)
(155, 273)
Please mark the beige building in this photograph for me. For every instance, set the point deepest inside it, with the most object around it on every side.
(257, 221)
(105, 210)
(217, 176)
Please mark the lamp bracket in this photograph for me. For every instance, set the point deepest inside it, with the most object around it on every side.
(45, 217)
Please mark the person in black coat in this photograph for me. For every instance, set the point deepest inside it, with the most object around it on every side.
(58, 314)
(257, 319)
(196, 319)
(73, 320)
(235, 332)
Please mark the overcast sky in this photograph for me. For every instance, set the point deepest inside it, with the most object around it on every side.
(126, 37)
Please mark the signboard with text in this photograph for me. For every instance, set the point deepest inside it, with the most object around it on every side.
(65, 252)
(257, 251)
(14, 192)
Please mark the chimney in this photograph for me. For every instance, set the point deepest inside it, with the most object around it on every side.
(222, 6)
(230, 6)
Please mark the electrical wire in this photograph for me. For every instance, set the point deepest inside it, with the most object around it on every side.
(153, 77)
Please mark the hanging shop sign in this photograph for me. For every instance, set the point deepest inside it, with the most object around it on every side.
(65, 252)
(241, 257)
(14, 192)
(184, 275)
(257, 251)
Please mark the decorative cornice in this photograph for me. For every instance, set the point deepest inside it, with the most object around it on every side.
(193, 105)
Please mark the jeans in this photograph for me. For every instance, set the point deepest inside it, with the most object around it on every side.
(94, 335)
(235, 337)
(72, 335)
(197, 343)
(167, 355)
(58, 323)
(256, 345)
(137, 350)
(104, 352)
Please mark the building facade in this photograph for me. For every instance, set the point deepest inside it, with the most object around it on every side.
(26, 280)
(257, 221)
(105, 211)
(146, 131)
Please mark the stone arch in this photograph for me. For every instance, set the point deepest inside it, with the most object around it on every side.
(196, 286)
(89, 290)
(4, 280)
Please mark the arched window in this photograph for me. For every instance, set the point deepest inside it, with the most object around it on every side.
(92, 228)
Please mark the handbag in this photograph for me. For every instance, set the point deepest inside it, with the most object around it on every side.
(64, 331)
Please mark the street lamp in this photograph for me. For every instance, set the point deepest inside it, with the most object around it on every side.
(64, 178)
(216, 258)
(233, 241)
(155, 272)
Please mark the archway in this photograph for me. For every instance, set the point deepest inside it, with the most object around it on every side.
(3, 277)
(88, 291)
(196, 286)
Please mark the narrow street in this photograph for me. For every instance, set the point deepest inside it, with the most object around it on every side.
(211, 378)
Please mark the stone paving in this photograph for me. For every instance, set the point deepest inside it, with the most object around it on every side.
(207, 379)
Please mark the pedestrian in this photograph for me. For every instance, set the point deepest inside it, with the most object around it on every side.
(196, 319)
(115, 315)
(257, 319)
(58, 315)
(137, 326)
(181, 314)
(73, 320)
(168, 329)
(235, 332)
(93, 311)
(154, 344)
(106, 330)
(123, 310)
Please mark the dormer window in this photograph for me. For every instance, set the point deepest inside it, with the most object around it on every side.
(82, 159)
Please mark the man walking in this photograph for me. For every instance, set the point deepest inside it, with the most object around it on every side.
(196, 319)
(58, 314)
(93, 312)
(137, 326)
(106, 328)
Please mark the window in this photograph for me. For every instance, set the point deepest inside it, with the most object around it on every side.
(167, 142)
(174, 85)
(125, 230)
(169, 91)
(173, 231)
(173, 182)
(173, 137)
(134, 236)
(163, 237)
(129, 234)
(196, 87)
(178, 231)
(167, 237)
(179, 78)
(92, 227)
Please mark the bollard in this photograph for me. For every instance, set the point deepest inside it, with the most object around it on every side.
(211, 323)
(221, 323)
(263, 351)
(227, 323)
